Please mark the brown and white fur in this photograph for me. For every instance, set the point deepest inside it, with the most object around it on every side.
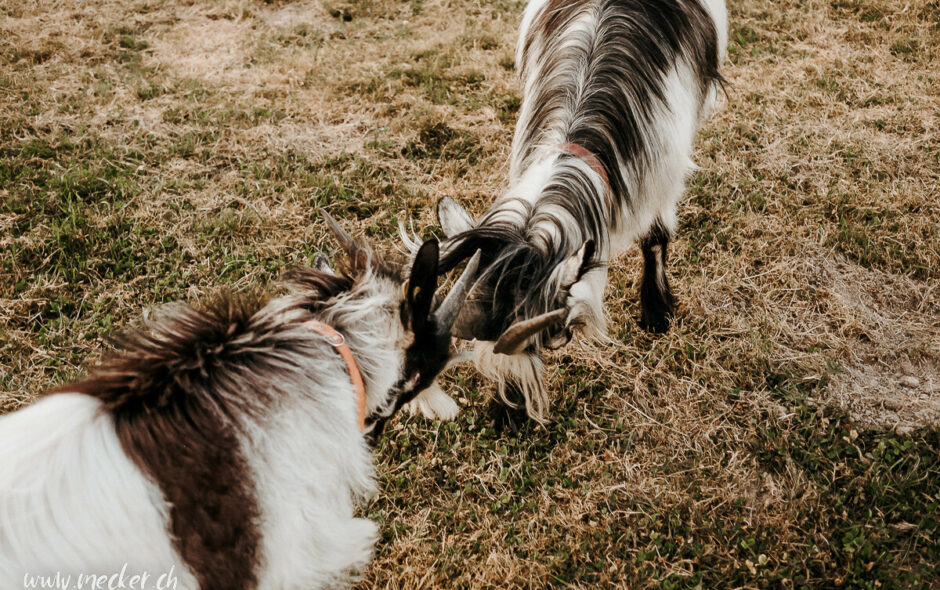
(220, 446)
(613, 94)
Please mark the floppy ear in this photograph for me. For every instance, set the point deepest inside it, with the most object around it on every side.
(587, 253)
(572, 269)
(452, 217)
(419, 293)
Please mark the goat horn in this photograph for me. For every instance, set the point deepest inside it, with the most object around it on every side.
(520, 334)
(345, 240)
(448, 311)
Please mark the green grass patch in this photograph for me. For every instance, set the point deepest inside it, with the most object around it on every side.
(874, 523)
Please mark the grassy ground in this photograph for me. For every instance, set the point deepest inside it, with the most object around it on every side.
(784, 433)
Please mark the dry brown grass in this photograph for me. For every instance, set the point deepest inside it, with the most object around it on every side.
(154, 151)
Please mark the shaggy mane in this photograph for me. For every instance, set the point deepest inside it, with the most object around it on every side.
(618, 77)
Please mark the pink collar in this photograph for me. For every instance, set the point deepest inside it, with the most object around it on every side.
(339, 343)
(591, 160)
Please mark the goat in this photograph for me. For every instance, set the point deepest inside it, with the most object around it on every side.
(223, 446)
(613, 94)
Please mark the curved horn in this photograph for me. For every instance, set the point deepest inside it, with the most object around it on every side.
(447, 312)
(520, 334)
(345, 240)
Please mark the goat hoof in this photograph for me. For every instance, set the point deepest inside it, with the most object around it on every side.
(434, 404)
(657, 313)
(657, 323)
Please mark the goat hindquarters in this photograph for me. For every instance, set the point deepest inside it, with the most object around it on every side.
(73, 503)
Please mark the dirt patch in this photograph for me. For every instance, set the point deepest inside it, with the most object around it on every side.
(888, 397)
(890, 374)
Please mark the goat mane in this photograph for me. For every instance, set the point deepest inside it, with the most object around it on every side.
(633, 47)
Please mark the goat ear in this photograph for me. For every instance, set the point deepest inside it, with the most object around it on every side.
(572, 269)
(452, 217)
(587, 253)
(419, 292)
(322, 264)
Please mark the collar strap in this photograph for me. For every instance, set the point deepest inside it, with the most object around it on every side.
(337, 341)
(591, 160)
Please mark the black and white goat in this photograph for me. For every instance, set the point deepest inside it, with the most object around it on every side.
(613, 93)
(225, 447)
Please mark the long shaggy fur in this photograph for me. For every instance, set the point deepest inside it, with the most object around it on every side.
(629, 81)
(221, 443)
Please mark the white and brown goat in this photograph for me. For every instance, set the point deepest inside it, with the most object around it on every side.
(613, 92)
(226, 445)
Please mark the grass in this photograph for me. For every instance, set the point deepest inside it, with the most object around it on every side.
(783, 434)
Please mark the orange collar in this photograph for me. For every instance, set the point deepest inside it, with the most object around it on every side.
(591, 160)
(339, 343)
